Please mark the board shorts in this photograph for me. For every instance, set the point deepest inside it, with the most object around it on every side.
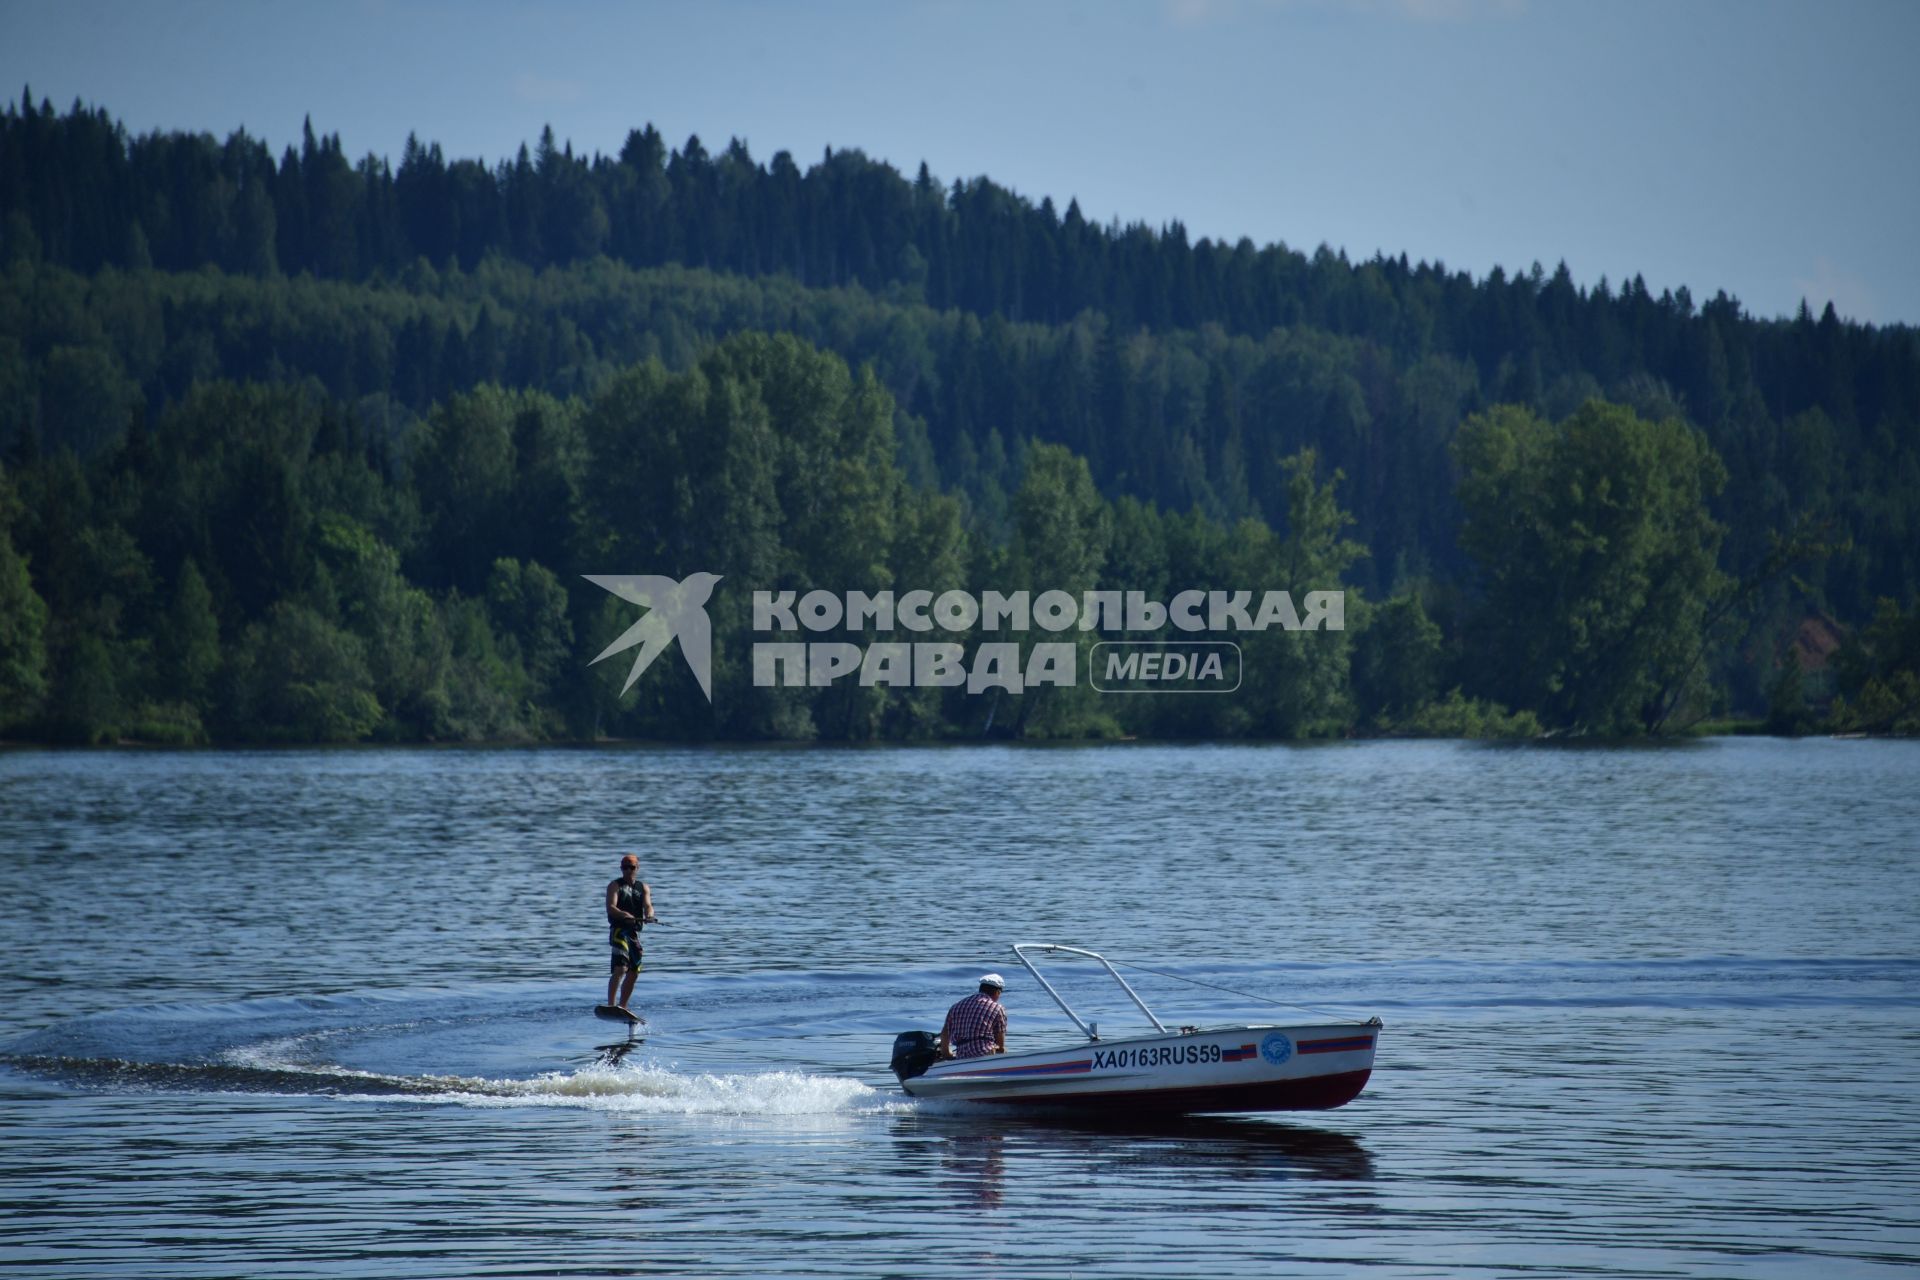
(624, 939)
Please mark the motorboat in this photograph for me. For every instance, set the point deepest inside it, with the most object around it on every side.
(1311, 1066)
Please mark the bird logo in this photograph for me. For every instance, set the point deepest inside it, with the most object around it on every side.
(673, 609)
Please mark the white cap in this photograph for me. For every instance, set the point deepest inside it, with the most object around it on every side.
(993, 980)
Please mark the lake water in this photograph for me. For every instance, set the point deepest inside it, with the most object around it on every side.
(1648, 1011)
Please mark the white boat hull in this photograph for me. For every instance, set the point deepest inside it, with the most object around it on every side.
(1236, 1068)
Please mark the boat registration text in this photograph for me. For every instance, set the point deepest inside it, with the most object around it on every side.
(1157, 1055)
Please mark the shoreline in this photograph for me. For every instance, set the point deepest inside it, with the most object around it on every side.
(1561, 741)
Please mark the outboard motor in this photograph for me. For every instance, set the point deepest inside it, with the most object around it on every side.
(914, 1052)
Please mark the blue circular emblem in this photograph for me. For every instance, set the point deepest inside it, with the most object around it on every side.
(1276, 1048)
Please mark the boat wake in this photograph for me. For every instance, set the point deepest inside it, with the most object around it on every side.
(647, 1087)
(420, 1051)
(127, 1075)
(650, 1088)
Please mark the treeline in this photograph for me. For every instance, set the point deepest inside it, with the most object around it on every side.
(89, 196)
(254, 568)
(142, 272)
(1189, 421)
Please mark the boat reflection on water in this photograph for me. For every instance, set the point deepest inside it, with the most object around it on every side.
(975, 1152)
(974, 1165)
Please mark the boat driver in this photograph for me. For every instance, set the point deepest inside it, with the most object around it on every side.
(977, 1025)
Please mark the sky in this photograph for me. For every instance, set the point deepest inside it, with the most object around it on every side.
(1765, 149)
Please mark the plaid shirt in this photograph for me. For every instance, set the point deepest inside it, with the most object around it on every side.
(974, 1026)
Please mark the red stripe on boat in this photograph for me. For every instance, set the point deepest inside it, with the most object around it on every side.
(1038, 1069)
(1316, 1093)
(1336, 1046)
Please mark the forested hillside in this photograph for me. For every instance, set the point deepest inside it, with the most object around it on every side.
(369, 414)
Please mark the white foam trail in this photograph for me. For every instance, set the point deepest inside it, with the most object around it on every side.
(636, 1087)
(651, 1088)
(284, 1054)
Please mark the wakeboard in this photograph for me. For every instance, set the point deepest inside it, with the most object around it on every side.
(614, 1013)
